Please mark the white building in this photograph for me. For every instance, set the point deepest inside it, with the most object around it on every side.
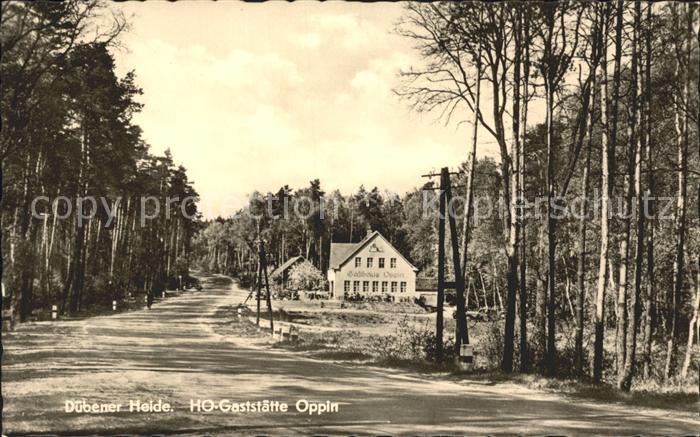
(372, 267)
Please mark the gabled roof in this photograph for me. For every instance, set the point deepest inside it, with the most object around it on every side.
(346, 251)
(340, 252)
(287, 264)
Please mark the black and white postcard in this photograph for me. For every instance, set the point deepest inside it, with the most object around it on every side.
(350, 218)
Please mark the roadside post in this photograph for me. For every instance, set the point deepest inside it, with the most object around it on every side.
(7, 313)
(8, 318)
(114, 305)
(279, 330)
(163, 295)
(286, 332)
(466, 355)
(54, 312)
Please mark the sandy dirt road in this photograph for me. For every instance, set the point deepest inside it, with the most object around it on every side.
(171, 353)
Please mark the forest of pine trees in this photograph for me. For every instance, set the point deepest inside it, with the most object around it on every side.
(610, 294)
(67, 134)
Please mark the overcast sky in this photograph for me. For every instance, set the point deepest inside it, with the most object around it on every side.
(255, 96)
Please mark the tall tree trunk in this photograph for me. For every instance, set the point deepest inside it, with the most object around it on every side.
(555, 60)
(514, 234)
(581, 267)
(26, 276)
(639, 141)
(697, 278)
(49, 248)
(606, 179)
(621, 307)
(614, 116)
(116, 226)
(551, 233)
(629, 184)
(524, 349)
(471, 165)
(681, 124)
(540, 325)
(462, 330)
(96, 259)
(44, 245)
(78, 267)
(614, 119)
(650, 291)
(83, 262)
(70, 274)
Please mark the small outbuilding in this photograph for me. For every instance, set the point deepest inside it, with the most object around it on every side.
(281, 274)
(426, 289)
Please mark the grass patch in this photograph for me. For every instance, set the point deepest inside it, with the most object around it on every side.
(103, 308)
(229, 323)
(341, 355)
(402, 345)
(671, 399)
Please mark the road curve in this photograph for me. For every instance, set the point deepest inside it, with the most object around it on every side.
(171, 353)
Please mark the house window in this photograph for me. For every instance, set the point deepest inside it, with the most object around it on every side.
(393, 286)
(375, 286)
(393, 263)
(346, 286)
(370, 262)
(385, 286)
(358, 262)
(365, 286)
(403, 287)
(381, 263)
(356, 286)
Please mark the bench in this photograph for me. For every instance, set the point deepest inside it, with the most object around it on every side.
(287, 332)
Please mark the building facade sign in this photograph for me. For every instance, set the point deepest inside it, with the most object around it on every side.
(372, 267)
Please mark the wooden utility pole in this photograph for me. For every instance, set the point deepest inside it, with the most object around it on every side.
(439, 323)
(258, 285)
(446, 212)
(263, 268)
(461, 330)
(262, 275)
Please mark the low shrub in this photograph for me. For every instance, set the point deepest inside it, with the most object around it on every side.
(492, 344)
(410, 343)
(304, 276)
